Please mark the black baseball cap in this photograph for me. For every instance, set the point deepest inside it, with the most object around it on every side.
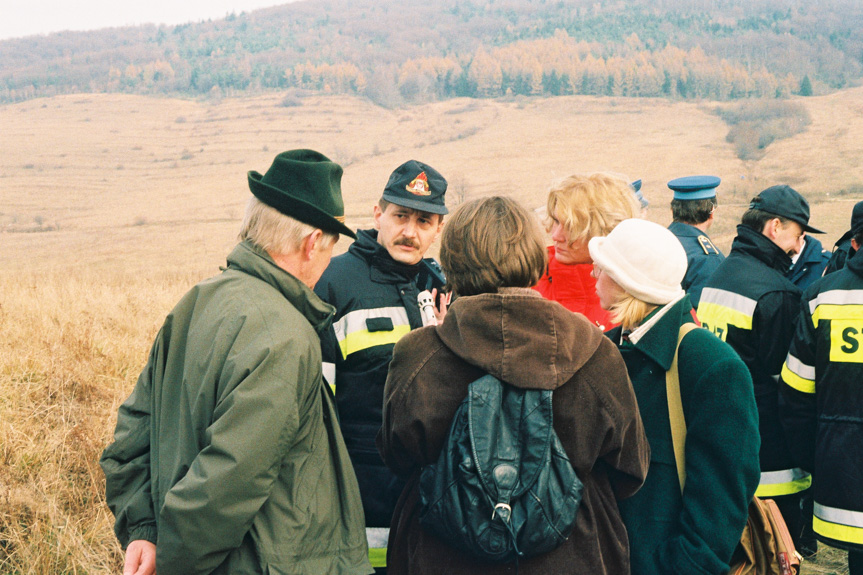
(784, 201)
(417, 186)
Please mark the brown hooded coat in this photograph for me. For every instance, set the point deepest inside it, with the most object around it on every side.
(529, 342)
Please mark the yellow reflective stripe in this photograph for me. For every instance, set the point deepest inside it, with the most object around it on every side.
(378, 556)
(378, 539)
(784, 482)
(719, 309)
(792, 374)
(831, 311)
(838, 532)
(365, 339)
(721, 315)
(354, 324)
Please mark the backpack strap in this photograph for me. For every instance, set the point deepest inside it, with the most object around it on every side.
(675, 408)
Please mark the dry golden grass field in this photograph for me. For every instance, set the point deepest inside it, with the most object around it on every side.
(112, 206)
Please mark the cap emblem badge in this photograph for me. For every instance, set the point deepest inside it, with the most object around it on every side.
(419, 186)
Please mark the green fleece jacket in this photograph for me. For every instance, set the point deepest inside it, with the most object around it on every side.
(228, 455)
(695, 532)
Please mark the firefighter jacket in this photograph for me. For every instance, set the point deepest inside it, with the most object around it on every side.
(822, 403)
(750, 305)
(702, 259)
(376, 304)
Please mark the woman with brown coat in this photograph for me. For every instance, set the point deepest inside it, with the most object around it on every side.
(492, 252)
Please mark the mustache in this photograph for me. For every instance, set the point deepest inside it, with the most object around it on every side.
(407, 242)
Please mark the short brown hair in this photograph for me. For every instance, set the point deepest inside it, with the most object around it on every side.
(693, 212)
(491, 243)
(590, 205)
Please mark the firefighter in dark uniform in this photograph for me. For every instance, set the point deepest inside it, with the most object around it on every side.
(822, 403)
(843, 250)
(374, 290)
(692, 209)
(750, 304)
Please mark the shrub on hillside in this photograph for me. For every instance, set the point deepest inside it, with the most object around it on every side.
(755, 124)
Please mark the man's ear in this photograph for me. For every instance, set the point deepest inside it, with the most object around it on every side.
(310, 243)
(855, 245)
(377, 214)
(772, 227)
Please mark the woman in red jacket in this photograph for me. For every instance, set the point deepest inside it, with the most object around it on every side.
(579, 208)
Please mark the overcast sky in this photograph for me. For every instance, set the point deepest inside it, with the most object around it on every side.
(28, 17)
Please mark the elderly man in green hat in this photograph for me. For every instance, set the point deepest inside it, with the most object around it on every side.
(227, 457)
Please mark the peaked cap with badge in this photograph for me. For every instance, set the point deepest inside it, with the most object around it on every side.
(694, 187)
(305, 185)
(417, 186)
(787, 202)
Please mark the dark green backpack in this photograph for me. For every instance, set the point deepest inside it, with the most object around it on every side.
(503, 487)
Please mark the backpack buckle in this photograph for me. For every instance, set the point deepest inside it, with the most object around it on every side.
(506, 512)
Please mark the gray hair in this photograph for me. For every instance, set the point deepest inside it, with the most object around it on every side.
(274, 231)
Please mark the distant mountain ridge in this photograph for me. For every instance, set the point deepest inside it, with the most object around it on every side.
(413, 50)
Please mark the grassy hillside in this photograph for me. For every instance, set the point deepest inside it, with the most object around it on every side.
(112, 206)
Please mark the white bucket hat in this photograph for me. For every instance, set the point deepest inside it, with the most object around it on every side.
(643, 258)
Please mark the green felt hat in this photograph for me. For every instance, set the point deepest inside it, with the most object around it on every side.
(306, 186)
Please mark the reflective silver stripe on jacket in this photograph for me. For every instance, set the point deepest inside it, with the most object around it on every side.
(801, 369)
(783, 476)
(729, 299)
(840, 516)
(378, 537)
(837, 297)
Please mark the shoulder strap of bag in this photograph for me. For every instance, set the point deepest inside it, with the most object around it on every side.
(675, 408)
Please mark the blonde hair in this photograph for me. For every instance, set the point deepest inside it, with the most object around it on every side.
(276, 232)
(629, 311)
(490, 243)
(590, 205)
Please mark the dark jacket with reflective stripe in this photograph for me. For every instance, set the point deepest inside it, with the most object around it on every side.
(702, 258)
(750, 305)
(376, 304)
(822, 399)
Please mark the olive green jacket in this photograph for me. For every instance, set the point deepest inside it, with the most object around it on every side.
(228, 455)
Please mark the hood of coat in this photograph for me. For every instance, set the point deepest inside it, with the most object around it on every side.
(519, 337)
(855, 263)
(254, 261)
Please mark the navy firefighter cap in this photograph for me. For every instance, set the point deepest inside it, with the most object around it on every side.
(787, 202)
(417, 186)
(694, 187)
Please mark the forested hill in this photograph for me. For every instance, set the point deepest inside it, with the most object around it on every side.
(419, 50)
